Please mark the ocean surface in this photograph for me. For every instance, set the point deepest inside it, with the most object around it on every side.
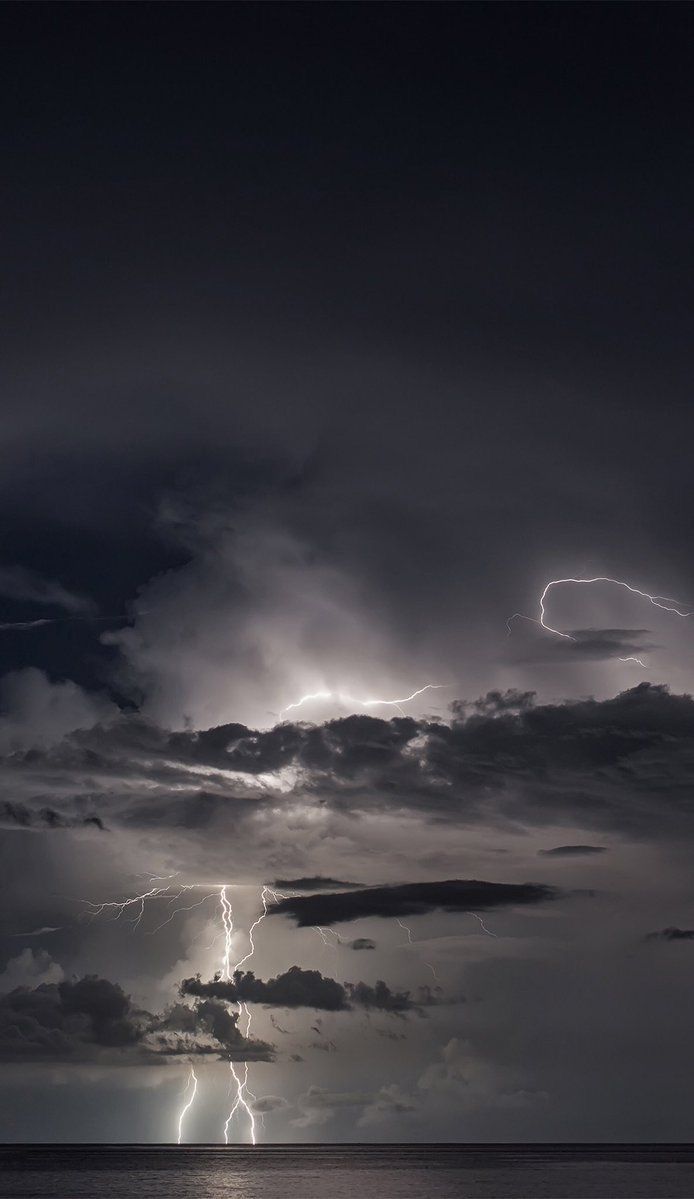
(347, 1172)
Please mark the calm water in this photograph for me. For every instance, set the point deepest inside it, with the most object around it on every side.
(348, 1172)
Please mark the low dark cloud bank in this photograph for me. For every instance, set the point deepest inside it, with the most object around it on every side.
(410, 899)
(572, 851)
(92, 1019)
(18, 815)
(672, 934)
(298, 988)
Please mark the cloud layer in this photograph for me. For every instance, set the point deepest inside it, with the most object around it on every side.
(298, 988)
(624, 763)
(409, 899)
(92, 1019)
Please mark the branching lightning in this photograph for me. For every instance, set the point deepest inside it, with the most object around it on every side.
(138, 904)
(170, 892)
(241, 1084)
(658, 601)
(349, 701)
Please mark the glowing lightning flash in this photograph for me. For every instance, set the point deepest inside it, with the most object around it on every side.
(658, 601)
(349, 700)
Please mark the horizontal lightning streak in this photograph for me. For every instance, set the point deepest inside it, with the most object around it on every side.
(343, 698)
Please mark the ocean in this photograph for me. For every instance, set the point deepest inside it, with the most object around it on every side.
(347, 1172)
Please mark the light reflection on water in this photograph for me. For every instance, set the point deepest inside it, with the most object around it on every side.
(347, 1172)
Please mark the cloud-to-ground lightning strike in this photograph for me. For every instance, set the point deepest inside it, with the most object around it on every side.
(139, 902)
(349, 700)
(658, 601)
(242, 1083)
(192, 1078)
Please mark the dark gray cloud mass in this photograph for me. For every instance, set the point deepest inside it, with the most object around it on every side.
(672, 934)
(572, 851)
(600, 763)
(298, 988)
(93, 1019)
(410, 899)
(18, 815)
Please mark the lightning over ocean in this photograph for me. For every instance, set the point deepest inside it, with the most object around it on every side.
(346, 601)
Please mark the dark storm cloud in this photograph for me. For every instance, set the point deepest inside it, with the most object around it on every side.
(67, 1020)
(672, 934)
(16, 815)
(380, 998)
(298, 988)
(317, 883)
(293, 989)
(410, 899)
(625, 763)
(495, 702)
(92, 1019)
(572, 851)
(361, 943)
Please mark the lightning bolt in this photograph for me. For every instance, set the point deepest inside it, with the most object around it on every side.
(228, 926)
(192, 1078)
(486, 930)
(410, 941)
(240, 1100)
(658, 601)
(349, 700)
(171, 894)
(139, 903)
(119, 906)
(405, 928)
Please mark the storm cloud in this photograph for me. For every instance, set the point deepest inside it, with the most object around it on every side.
(410, 899)
(298, 988)
(672, 934)
(93, 1019)
(602, 763)
(572, 851)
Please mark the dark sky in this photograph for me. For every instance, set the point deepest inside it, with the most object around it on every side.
(332, 333)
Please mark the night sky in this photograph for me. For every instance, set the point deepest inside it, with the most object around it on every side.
(332, 334)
